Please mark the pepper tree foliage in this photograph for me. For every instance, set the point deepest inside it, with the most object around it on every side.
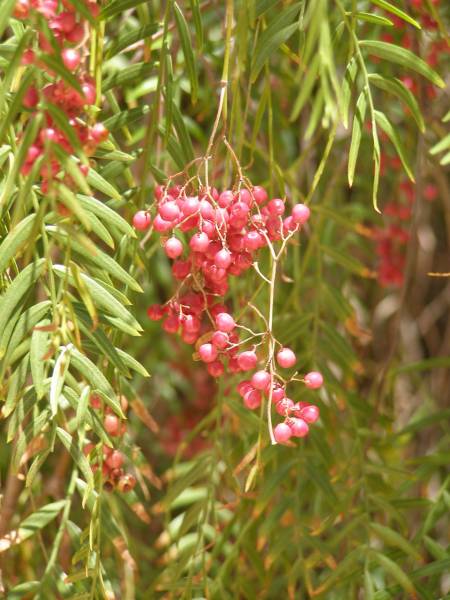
(333, 103)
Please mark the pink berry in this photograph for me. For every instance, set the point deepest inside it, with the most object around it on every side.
(173, 247)
(112, 425)
(99, 133)
(225, 199)
(276, 207)
(247, 360)
(115, 460)
(310, 413)
(278, 393)
(313, 380)
(191, 324)
(161, 225)
(216, 368)
(253, 240)
(71, 58)
(286, 358)
(261, 380)
(300, 213)
(190, 206)
(142, 220)
(155, 312)
(220, 339)
(208, 353)
(225, 322)
(259, 194)
(169, 210)
(282, 433)
(243, 387)
(199, 242)
(298, 427)
(252, 399)
(222, 258)
(284, 406)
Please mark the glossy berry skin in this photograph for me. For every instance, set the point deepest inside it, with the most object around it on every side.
(71, 59)
(261, 380)
(169, 211)
(286, 358)
(115, 460)
(252, 399)
(284, 406)
(310, 413)
(173, 248)
(299, 427)
(208, 353)
(282, 433)
(278, 393)
(199, 242)
(247, 360)
(260, 195)
(141, 220)
(300, 213)
(225, 322)
(313, 380)
(223, 258)
(112, 425)
(220, 339)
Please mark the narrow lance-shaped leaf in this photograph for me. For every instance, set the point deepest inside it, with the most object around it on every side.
(398, 12)
(386, 126)
(58, 376)
(15, 240)
(38, 349)
(358, 124)
(186, 44)
(397, 87)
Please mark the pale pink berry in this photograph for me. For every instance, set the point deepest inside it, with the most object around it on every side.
(282, 433)
(225, 199)
(284, 406)
(286, 358)
(313, 380)
(253, 240)
(216, 368)
(310, 413)
(112, 425)
(162, 226)
(300, 213)
(298, 427)
(278, 393)
(225, 322)
(191, 324)
(190, 206)
(222, 259)
(199, 242)
(220, 339)
(259, 194)
(261, 380)
(247, 360)
(115, 460)
(99, 133)
(276, 207)
(252, 399)
(208, 353)
(169, 210)
(142, 220)
(243, 387)
(71, 58)
(173, 247)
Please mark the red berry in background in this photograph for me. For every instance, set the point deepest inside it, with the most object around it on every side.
(220, 339)
(115, 460)
(282, 433)
(142, 220)
(155, 312)
(286, 358)
(216, 368)
(313, 380)
(112, 425)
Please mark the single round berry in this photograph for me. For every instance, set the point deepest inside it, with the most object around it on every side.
(169, 211)
(243, 387)
(259, 194)
(199, 242)
(252, 399)
(247, 360)
(282, 433)
(299, 427)
(173, 247)
(310, 413)
(220, 339)
(286, 358)
(276, 207)
(208, 353)
(115, 460)
(300, 213)
(225, 322)
(216, 368)
(278, 393)
(71, 59)
(112, 425)
(313, 380)
(284, 406)
(222, 258)
(261, 380)
(142, 220)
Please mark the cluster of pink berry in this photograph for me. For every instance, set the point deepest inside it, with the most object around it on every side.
(68, 32)
(227, 230)
(113, 460)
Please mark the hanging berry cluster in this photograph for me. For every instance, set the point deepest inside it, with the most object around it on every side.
(227, 231)
(60, 52)
(111, 460)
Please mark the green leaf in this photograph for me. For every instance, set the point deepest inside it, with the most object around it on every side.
(23, 589)
(32, 524)
(386, 126)
(395, 571)
(197, 18)
(403, 57)
(18, 288)
(392, 538)
(394, 10)
(131, 37)
(444, 144)
(82, 406)
(186, 45)
(277, 33)
(99, 183)
(58, 377)
(132, 363)
(129, 75)
(5, 14)
(106, 214)
(397, 87)
(306, 86)
(117, 7)
(15, 240)
(358, 124)
(371, 18)
(38, 348)
(78, 456)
